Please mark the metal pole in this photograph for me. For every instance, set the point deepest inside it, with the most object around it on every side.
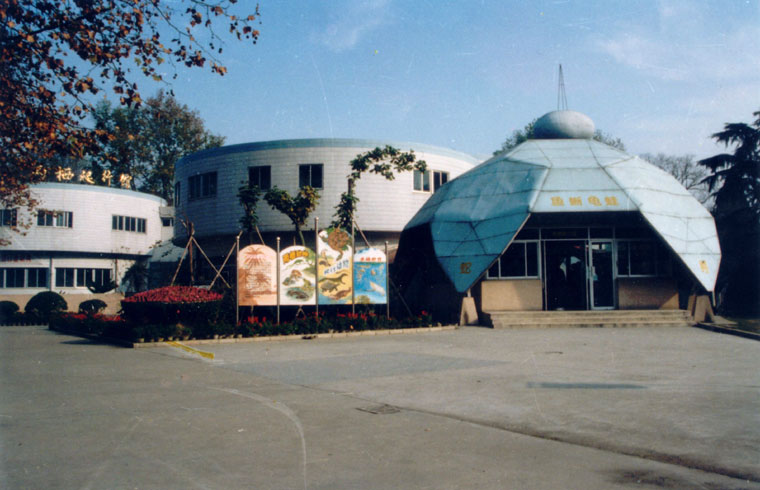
(387, 285)
(237, 280)
(353, 251)
(316, 263)
(278, 280)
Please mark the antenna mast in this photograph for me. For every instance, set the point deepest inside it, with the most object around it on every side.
(561, 96)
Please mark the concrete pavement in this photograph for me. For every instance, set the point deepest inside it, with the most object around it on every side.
(471, 408)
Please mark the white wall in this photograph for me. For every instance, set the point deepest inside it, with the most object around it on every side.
(384, 205)
(92, 209)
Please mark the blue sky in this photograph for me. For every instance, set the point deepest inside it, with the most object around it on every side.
(662, 76)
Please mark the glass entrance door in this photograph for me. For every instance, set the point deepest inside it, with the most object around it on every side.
(565, 274)
(600, 275)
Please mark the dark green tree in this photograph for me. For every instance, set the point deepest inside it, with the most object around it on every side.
(249, 196)
(519, 136)
(148, 140)
(735, 186)
(381, 161)
(297, 208)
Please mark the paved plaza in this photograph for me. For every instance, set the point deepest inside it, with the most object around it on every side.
(466, 408)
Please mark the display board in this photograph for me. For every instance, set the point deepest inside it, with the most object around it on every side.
(257, 276)
(335, 279)
(370, 277)
(297, 276)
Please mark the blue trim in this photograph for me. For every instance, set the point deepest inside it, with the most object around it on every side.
(324, 143)
(98, 188)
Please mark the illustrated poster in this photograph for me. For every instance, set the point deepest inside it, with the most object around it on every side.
(334, 264)
(257, 276)
(297, 276)
(370, 277)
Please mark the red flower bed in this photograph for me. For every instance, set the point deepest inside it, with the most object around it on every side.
(174, 294)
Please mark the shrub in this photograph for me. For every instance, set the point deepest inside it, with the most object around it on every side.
(92, 306)
(171, 305)
(44, 304)
(8, 310)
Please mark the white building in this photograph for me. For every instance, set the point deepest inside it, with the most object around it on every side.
(78, 236)
(207, 182)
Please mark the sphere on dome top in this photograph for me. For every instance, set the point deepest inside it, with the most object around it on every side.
(563, 125)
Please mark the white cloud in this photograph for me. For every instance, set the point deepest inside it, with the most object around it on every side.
(349, 22)
(684, 46)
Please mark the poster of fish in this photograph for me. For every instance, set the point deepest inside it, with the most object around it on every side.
(370, 277)
(334, 264)
(257, 276)
(297, 276)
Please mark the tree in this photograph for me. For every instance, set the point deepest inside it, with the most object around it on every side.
(249, 195)
(686, 171)
(297, 208)
(735, 186)
(55, 56)
(519, 136)
(148, 140)
(382, 161)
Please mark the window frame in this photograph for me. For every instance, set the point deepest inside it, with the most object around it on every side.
(65, 277)
(9, 217)
(440, 178)
(202, 186)
(55, 219)
(526, 258)
(421, 181)
(661, 262)
(255, 177)
(131, 224)
(311, 177)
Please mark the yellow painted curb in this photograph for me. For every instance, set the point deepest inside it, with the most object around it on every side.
(207, 355)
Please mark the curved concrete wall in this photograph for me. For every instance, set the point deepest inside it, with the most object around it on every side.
(91, 232)
(384, 206)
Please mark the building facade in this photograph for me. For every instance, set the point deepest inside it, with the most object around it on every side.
(560, 222)
(78, 237)
(207, 182)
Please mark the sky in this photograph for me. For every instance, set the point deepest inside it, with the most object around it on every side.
(661, 76)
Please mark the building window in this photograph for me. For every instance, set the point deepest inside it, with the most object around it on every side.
(203, 185)
(128, 223)
(64, 277)
(177, 194)
(642, 258)
(261, 177)
(8, 217)
(93, 277)
(37, 277)
(166, 222)
(422, 181)
(519, 261)
(310, 174)
(14, 277)
(439, 178)
(59, 219)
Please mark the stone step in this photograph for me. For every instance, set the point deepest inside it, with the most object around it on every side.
(590, 325)
(591, 319)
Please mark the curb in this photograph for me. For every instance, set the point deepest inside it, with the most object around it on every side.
(712, 327)
(274, 338)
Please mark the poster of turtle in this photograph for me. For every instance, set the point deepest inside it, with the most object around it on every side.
(257, 276)
(297, 276)
(370, 277)
(334, 265)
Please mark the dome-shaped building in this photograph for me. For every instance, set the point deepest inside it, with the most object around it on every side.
(560, 222)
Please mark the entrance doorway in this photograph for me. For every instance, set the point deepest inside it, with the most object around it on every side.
(600, 275)
(565, 274)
